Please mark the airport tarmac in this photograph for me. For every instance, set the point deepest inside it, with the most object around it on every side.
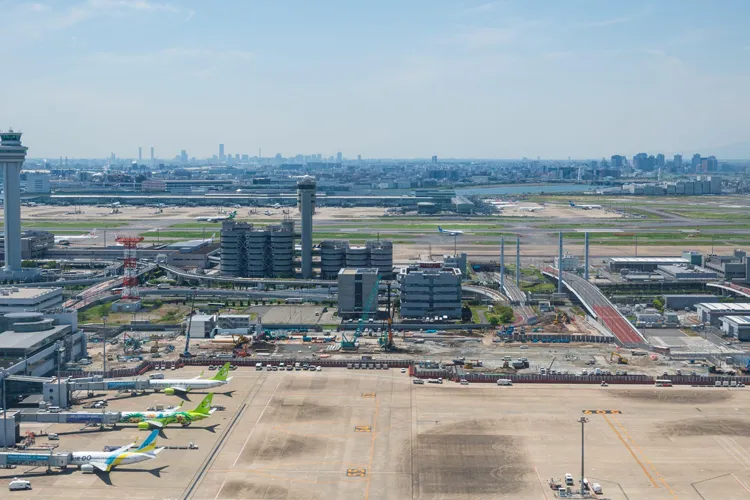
(343, 434)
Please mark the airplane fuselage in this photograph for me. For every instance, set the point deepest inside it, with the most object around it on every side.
(112, 459)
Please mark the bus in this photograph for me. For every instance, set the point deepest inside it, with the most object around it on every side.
(662, 382)
(294, 300)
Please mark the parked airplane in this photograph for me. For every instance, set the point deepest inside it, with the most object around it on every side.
(85, 236)
(276, 206)
(170, 386)
(216, 218)
(530, 209)
(584, 207)
(450, 232)
(106, 460)
(159, 419)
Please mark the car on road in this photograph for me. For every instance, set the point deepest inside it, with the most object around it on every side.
(403, 370)
(418, 381)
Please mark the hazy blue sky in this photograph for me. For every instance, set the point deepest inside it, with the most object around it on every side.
(385, 78)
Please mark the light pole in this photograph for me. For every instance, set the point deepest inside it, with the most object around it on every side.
(4, 374)
(583, 421)
(104, 340)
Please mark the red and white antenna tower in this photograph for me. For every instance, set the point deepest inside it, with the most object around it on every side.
(130, 265)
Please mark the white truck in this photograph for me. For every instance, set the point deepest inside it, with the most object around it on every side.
(19, 484)
(504, 381)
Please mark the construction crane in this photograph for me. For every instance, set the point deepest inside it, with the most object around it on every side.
(186, 353)
(350, 343)
(386, 338)
(552, 363)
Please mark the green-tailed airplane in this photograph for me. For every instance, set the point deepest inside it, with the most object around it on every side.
(170, 386)
(160, 419)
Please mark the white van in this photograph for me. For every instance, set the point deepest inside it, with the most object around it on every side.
(19, 484)
(596, 488)
(53, 437)
(569, 479)
(504, 381)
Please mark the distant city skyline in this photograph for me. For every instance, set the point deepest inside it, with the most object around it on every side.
(392, 79)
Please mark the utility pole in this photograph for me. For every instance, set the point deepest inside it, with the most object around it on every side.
(583, 421)
(4, 374)
(502, 264)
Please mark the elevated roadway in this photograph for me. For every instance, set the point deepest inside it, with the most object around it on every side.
(176, 271)
(491, 294)
(514, 294)
(307, 296)
(600, 307)
(742, 291)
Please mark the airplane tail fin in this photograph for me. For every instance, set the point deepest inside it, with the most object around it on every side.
(571, 203)
(440, 229)
(222, 374)
(150, 443)
(205, 406)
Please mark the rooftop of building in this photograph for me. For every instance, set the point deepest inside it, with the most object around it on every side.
(723, 307)
(189, 245)
(18, 293)
(10, 339)
(349, 271)
(676, 268)
(649, 260)
(738, 320)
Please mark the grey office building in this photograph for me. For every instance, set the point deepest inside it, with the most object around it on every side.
(336, 254)
(248, 251)
(428, 290)
(356, 286)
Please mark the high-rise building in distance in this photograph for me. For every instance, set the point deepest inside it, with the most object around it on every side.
(221, 152)
(339, 157)
(140, 153)
(152, 154)
(660, 160)
(678, 162)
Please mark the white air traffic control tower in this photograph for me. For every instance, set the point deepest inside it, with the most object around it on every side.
(306, 188)
(12, 156)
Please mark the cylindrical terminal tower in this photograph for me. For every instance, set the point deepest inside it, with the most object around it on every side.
(332, 258)
(12, 156)
(306, 187)
(381, 256)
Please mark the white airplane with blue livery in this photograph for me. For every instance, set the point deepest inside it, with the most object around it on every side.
(105, 461)
(450, 232)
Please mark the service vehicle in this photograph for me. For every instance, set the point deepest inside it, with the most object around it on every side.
(19, 484)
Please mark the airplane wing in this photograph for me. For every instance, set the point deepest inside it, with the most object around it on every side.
(101, 466)
(198, 376)
(157, 424)
(124, 448)
(157, 451)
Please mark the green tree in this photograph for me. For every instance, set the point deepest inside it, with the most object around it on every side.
(494, 320)
(658, 303)
(505, 314)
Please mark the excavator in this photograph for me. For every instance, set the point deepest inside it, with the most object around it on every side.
(620, 358)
